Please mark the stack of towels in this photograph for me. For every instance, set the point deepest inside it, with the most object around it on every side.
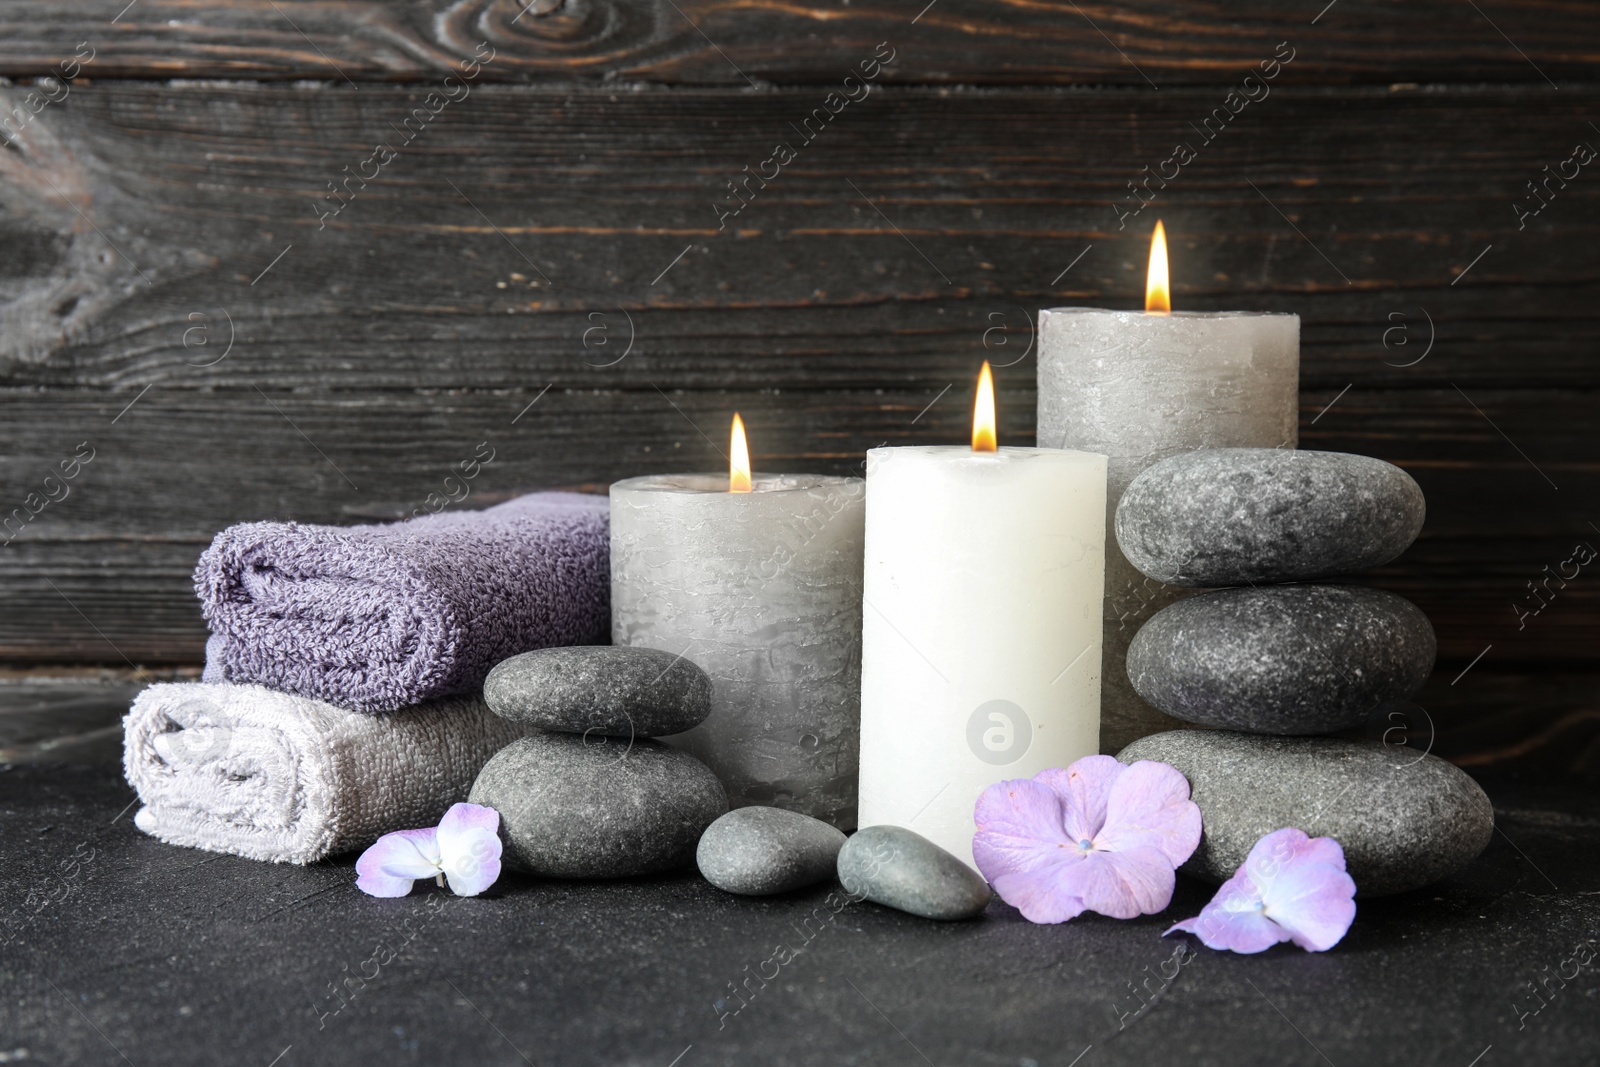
(342, 695)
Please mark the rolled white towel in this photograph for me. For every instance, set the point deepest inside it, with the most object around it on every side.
(273, 776)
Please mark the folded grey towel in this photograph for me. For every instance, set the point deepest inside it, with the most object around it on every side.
(273, 776)
(377, 618)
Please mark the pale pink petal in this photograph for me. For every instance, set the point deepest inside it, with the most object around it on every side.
(1084, 789)
(378, 884)
(1314, 903)
(1149, 806)
(1234, 919)
(465, 817)
(1237, 931)
(1319, 850)
(1041, 894)
(406, 853)
(1020, 828)
(389, 866)
(469, 848)
(1290, 887)
(473, 863)
(1122, 884)
(1239, 893)
(1023, 850)
(1276, 851)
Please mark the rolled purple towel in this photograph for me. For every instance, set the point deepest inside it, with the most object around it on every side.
(376, 618)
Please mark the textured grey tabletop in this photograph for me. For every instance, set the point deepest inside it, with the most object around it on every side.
(120, 949)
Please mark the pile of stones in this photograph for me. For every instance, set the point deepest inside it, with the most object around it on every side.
(1273, 660)
(588, 793)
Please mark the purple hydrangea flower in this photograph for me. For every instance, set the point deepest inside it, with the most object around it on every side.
(1099, 836)
(463, 849)
(1291, 888)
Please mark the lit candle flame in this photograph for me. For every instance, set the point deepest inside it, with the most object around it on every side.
(983, 436)
(739, 461)
(1157, 289)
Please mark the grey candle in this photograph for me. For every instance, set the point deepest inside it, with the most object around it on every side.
(761, 589)
(1138, 387)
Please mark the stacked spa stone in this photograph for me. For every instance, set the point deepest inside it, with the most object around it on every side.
(588, 793)
(1273, 661)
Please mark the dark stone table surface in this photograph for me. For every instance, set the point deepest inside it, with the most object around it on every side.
(119, 949)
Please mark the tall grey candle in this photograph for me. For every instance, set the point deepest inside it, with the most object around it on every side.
(1139, 387)
(762, 589)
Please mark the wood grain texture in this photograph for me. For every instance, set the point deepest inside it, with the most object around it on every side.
(1142, 43)
(146, 218)
(176, 302)
(1545, 724)
(70, 715)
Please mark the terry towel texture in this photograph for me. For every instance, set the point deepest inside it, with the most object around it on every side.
(380, 617)
(272, 776)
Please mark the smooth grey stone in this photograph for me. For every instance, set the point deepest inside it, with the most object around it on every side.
(574, 807)
(1282, 659)
(611, 690)
(1403, 818)
(1231, 516)
(760, 851)
(899, 868)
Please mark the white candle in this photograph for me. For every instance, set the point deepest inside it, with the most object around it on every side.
(981, 627)
(1139, 387)
(756, 580)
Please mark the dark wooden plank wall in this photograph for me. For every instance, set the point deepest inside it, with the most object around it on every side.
(173, 298)
(1138, 43)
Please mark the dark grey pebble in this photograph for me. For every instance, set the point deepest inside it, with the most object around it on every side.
(1289, 659)
(759, 851)
(574, 807)
(1231, 516)
(901, 869)
(609, 690)
(1403, 818)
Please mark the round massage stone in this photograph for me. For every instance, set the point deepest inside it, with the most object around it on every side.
(760, 851)
(1403, 818)
(901, 869)
(1282, 659)
(605, 690)
(1233, 516)
(598, 807)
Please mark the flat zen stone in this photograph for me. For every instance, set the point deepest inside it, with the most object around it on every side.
(759, 851)
(1403, 818)
(575, 807)
(1232, 516)
(901, 869)
(1282, 659)
(608, 690)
